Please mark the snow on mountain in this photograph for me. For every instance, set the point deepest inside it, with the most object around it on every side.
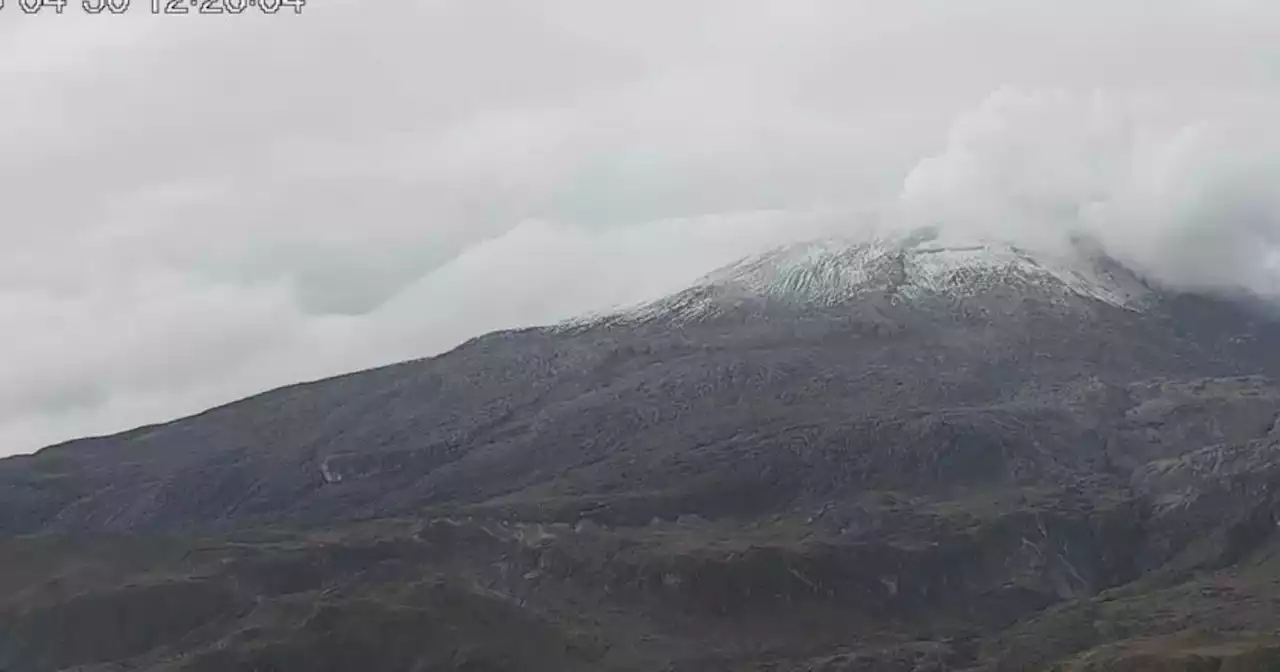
(921, 266)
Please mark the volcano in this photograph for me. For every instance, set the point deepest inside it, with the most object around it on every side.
(899, 454)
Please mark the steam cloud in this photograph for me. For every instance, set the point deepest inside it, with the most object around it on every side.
(360, 185)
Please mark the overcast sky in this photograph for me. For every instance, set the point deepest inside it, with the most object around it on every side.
(196, 208)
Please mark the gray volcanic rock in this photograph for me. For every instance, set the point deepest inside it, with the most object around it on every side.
(780, 381)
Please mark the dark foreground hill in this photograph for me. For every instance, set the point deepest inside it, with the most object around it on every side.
(834, 457)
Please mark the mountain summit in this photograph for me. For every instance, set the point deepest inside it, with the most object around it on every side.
(922, 268)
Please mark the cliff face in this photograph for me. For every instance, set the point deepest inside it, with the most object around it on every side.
(912, 454)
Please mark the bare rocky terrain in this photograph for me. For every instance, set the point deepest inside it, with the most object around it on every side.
(830, 458)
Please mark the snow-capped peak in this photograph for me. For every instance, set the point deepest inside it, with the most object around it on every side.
(920, 266)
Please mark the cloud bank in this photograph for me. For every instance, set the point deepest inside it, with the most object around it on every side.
(197, 208)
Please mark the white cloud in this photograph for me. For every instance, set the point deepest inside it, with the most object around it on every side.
(197, 208)
(1190, 201)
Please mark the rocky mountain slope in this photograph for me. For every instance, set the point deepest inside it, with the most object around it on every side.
(911, 454)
